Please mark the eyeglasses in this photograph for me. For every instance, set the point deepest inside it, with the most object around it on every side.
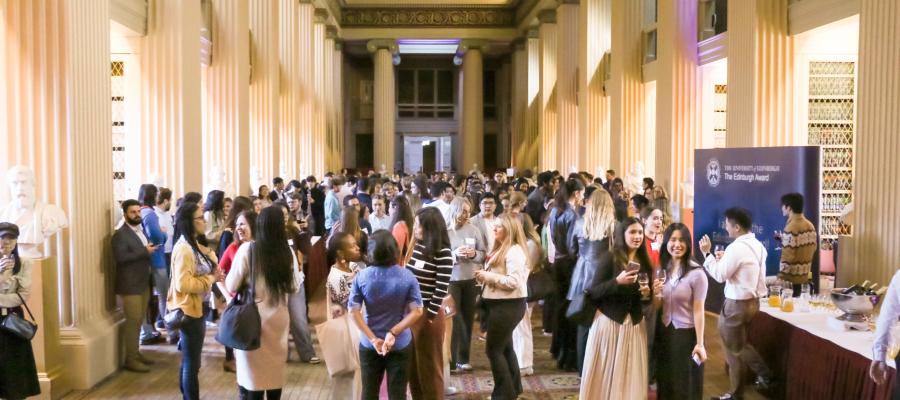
(199, 219)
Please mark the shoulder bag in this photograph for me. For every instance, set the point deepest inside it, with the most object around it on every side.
(19, 326)
(241, 325)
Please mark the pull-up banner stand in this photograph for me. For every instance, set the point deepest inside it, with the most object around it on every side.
(753, 178)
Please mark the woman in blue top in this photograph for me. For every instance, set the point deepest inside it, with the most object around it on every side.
(393, 303)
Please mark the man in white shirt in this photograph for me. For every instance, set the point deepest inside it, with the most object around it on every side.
(742, 266)
(443, 203)
(378, 218)
(486, 220)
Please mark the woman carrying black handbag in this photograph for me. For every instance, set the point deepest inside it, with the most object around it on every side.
(18, 373)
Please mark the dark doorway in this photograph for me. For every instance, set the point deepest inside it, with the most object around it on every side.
(365, 151)
(429, 157)
(490, 152)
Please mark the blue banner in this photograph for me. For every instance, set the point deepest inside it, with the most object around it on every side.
(755, 179)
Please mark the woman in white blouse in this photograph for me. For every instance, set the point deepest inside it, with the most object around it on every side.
(505, 289)
(344, 249)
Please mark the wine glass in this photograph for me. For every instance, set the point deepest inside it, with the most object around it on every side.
(661, 275)
(643, 280)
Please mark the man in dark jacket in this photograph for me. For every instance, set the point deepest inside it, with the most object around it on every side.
(132, 252)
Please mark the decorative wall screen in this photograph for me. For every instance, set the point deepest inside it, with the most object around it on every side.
(832, 125)
(720, 102)
(117, 91)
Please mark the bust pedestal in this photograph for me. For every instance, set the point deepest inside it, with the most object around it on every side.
(43, 302)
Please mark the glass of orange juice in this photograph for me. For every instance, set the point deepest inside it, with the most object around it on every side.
(787, 300)
(774, 296)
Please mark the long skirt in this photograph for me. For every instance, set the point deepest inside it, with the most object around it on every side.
(18, 374)
(615, 362)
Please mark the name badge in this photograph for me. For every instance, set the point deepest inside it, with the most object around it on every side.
(655, 246)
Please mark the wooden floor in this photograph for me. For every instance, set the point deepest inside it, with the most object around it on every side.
(305, 381)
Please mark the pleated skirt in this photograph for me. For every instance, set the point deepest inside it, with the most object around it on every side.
(615, 361)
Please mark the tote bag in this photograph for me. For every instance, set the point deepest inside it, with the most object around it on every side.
(339, 340)
(241, 325)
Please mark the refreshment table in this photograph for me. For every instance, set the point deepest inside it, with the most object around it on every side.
(812, 359)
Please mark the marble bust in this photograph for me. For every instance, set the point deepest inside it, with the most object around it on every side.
(37, 220)
(634, 181)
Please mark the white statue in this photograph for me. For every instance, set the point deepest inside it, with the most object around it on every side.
(688, 188)
(37, 221)
(216, 179)
(155, 180)
(634, 181)
(256, 179)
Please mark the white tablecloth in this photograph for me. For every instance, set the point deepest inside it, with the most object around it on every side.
(816, 323)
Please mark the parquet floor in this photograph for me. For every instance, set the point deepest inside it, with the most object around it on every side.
(311, 382)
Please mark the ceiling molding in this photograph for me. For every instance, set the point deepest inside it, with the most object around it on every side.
(428, 17)
(414, 4)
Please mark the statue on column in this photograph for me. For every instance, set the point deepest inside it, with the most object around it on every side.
(688, 188)
(216, 180)
(634, 181)
(37, 220)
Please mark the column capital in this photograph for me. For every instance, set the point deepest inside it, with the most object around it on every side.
(377, 44)
(471, 44)
(338, 44)
(321, 16)
(533, 33)
(547, 16)
(519, 43)
(331, 32)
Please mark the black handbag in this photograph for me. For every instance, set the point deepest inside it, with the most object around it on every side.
(581, 309)
(540, 285)
(174, 319)
(241, 326)
(18, 326)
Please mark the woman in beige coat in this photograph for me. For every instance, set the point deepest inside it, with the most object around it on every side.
(260, 372)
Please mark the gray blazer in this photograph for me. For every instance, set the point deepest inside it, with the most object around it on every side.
(132, 262)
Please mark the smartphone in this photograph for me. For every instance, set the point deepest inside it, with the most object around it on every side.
(696, 360)
(633, 266)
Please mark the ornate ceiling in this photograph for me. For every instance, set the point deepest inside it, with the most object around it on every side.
(345, 4)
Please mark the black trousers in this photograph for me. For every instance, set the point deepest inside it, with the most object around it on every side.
(373, 366)
(274, 394)
(565, 332)
(677, 376)
(583, 331)
(503, 316)
(464, 293)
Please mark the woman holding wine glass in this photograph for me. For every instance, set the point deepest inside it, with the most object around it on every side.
(615, 363)
(680, 351)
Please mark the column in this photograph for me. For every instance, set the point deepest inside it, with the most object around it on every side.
(875, 250)
(226, 100)
(472, 134)
(319, 111)
(533, 101)
(567, 84)
(678, 94)
(297, 92)
(760, 80)
(547, 118)
(338, 92)
(55, 118)
(519, 103)
(384, 102)
(627, 119)
(171, 117)
(329, 149)
(264, 92)
(593, 102)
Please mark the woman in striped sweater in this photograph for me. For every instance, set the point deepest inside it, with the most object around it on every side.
(432, 264)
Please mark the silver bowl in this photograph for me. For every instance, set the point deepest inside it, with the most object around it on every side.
(857, 307)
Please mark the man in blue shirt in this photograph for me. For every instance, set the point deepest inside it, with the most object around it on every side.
(332, 206)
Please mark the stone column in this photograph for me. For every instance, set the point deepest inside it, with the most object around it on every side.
(678, 94)
(338, 101)
(760, 74)
(593, 101)
(547, 121)
(567, 84)
(226, 100)
(472, 134)
(332, 159)
(874, 251)
(627, 119)
(171, 128)
(519, 103)
(319, 110)
(533, 100)
(264, 91)
(297, 91)
(55, 118)
(384, 101)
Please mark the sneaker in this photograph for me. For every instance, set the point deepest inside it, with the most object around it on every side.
(725, 396)
(465, 367)
(450, 391)
(767, 387)
(314, 360)
(173, 338)
(143, 359)
(545, 333)
(482, 337)
(155, 339)
(134, 365)
(526, 371)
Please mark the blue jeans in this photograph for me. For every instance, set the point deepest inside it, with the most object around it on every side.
(373, 366)
(300, 325)
(193, 330)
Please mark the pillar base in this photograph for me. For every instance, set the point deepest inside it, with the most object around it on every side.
(53, 384)
(92, 351)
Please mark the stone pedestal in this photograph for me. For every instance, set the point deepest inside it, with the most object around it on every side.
(43, 302)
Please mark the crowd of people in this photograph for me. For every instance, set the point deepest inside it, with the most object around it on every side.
(416, 261)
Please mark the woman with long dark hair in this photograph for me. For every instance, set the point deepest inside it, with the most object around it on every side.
(561, 223)
(505, 288)
(344, 250)
(18, 372)
(432, 264)
(401, 226)
(238, 205)
(214, 214)
(260, 372)
(193, 274)
(679, 338)
(615, 362)
(243, 233)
